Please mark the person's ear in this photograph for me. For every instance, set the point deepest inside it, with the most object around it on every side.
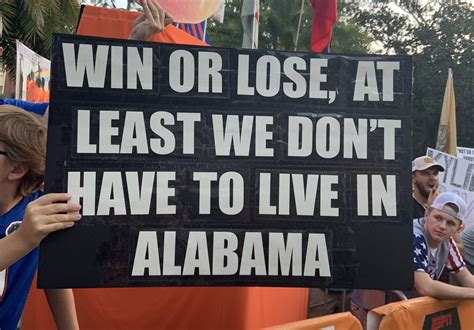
(461, 227)
(427, 212)
(18, 172)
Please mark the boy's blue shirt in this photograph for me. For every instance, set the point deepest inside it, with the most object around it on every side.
(15, 281)
(38, 108)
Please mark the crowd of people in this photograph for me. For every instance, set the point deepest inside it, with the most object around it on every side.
(27, 216)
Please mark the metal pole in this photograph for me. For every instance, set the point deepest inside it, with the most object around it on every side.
(299, 24)
(254, 22)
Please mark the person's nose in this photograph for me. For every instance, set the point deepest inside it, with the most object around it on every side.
(442, 224)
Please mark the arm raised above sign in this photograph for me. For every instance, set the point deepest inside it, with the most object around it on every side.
(152, 21)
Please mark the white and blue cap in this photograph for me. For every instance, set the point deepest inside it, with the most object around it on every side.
(443, 200)
(425, 162)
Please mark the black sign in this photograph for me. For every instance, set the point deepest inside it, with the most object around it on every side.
(212, 166)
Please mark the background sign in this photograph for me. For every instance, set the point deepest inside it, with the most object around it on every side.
(32, 75)
(211, 166)
(466, 153)
(458, 177)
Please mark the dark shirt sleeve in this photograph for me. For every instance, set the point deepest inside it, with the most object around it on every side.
(418, 210)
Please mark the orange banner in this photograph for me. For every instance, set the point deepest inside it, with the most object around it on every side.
(423, 313)
(174, 308)
(345, 321)
(113, 23)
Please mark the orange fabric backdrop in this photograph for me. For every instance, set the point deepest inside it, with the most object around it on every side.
(411, 314)
(345, 321)
(171, 308)
(175, 308)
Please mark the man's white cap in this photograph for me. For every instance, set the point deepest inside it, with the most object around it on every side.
(441, 203)
(424, 162)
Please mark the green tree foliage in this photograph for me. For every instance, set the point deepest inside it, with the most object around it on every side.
(439, 37)
(229, 34)
(33, 22)
(279, 25)
(348, 38)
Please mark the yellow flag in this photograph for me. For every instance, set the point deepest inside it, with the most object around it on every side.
(447, 123)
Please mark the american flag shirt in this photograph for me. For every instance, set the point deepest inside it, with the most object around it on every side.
(446, 255)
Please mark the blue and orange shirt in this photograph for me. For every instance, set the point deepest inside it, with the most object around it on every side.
(15, 281)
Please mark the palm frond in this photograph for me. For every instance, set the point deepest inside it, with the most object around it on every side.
(33, 22)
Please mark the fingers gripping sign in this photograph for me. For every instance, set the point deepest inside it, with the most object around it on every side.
(153, 20)
(47, 214)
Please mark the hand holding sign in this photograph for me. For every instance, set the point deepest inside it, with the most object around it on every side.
(47, 214)
(152, 21)
(43, 216)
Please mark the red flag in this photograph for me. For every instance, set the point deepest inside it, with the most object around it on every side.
(324, 17)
